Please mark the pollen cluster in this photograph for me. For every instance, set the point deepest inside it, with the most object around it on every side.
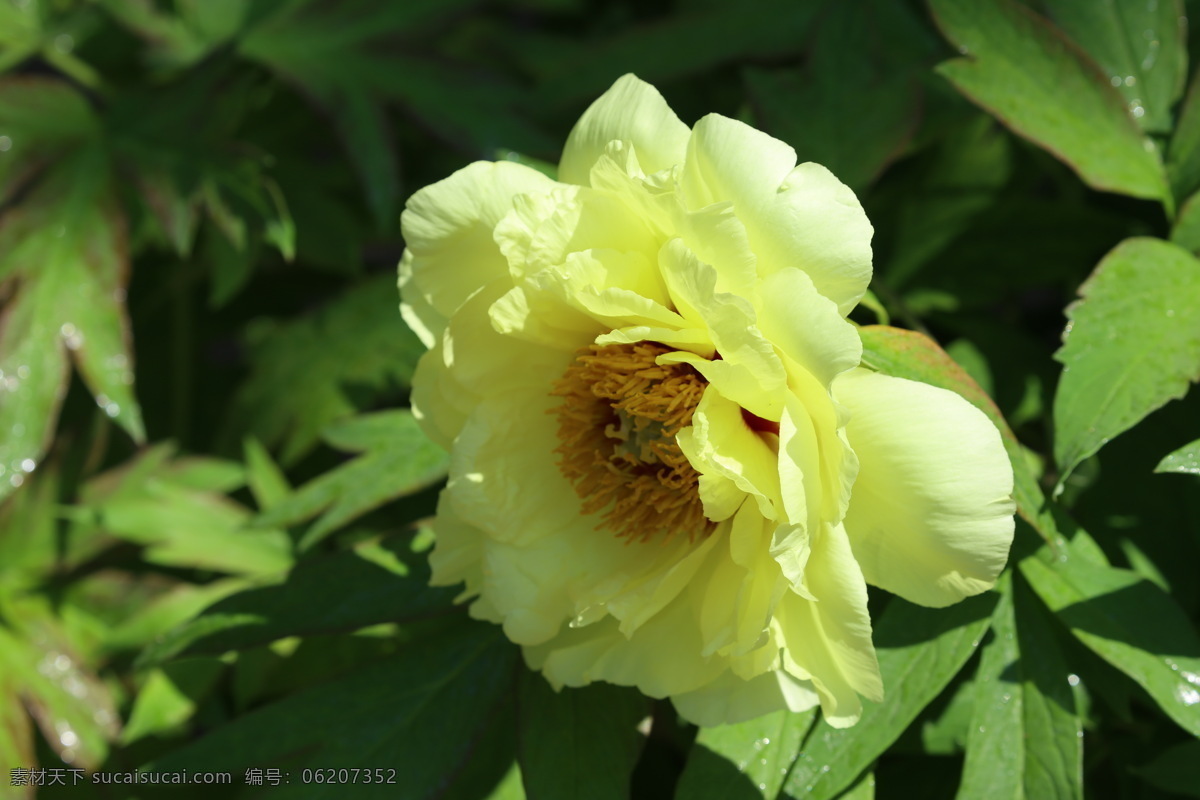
(616, 426)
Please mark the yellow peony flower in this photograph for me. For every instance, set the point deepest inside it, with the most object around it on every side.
(668, 469)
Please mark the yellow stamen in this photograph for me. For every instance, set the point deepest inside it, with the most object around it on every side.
(617, 427)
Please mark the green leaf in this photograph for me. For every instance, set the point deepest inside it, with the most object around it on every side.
(417, 713)
(1021, 69)
(747, 761)
(1175, 770)
(1140, 46)
(302, 370)
(167, 698)
(1184, 460)
(1131, 624)
(72, 707)
(371, 584)
(39, 118)
(920, 650)
(1183, 152)
(65, 248)
(577, 744)
(178, 511)
(1132, 344)
(1024, 740)
(267, 482)
(398, 459)
(854, 106)
(16, 732)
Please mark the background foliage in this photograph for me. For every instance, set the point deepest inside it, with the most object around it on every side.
(211, 542)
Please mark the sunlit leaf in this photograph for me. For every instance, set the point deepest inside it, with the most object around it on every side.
(1132, 344)
(397, 459)
(748, 760)
(1131, 624)
(1140, 46)
(1024, 740)
(920, 650)
(1022, 69)
(63, 250)
(178, 511)
(1186, 460)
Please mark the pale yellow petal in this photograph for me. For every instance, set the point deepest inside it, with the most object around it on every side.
(930, 517)
(448, 230)
(806, 326)
(730, 699)
(795, 216)
(631, 111)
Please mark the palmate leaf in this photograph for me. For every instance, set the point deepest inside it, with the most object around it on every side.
(398, 459)
(1025, 739)
(64, 264)
(1132, 344)
(39, 118)
(178, 510)
(419, 713)
(302, 371)
(1039, 83)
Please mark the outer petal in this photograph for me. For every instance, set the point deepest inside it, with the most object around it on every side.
(730, 699)
(448, 229)
(796, 216)
(930, 518)
(631, 111)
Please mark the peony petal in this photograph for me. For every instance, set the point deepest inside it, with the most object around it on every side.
(448, 230)
(806, 326)
(795, 216)
(631, 111)
(730, 699)
(829, 640)
(930, 518)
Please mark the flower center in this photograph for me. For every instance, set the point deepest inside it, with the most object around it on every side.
(617, 427)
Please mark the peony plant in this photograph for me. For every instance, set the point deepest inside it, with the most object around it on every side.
(669, 468)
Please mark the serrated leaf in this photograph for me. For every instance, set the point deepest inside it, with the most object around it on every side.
(1131, 624)
(1024, 740)
(178, 511)
(370, 584)
(64, 248)
(747, 761)
(577, 744)
(72, 707)
(302, 370)
(1034, 80)
(1140, 46)
(397, 459)
(1185, 460)
(1132, 344)
(920, 650)
(417, 713)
